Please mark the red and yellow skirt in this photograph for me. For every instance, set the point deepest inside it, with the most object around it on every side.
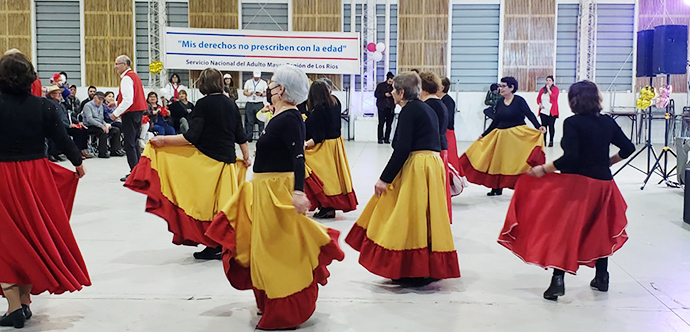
(564, 220)
(453, 158)
(186, 188)
(498, 160)
(328, 182)
(406, 233)
(270, 248)
(37, 244)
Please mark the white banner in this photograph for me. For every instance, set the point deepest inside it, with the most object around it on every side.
(247, 50)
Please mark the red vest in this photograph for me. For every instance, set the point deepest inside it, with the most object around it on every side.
(139, 100)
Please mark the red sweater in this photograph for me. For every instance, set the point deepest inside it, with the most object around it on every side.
(553, 99)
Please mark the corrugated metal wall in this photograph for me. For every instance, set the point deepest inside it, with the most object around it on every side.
(615, 33)
(566, 45)
(263, 16)
(58, 40)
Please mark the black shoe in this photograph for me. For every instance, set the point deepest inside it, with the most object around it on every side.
(124, 178)
(325, 213)
(209, 253)
(556, 289)
(414, 282)
(27, 311)
(380, 141)
(386, 141)
(52, 158)
(103, 156)
(16, 319)
(550, 144)
(58, 158)
(118, 153)
(495, 192)
(601, 283)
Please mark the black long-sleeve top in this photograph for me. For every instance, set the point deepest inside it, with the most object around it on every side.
(215, 126)
(442, 114)
(450, 105)
(25, 122)
(179, 110)
(586, 142)
(513, 115)
(323, 123)
(281, 147)
(417, 130)
(382, 101)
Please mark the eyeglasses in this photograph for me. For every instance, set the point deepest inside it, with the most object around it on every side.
(503, 85)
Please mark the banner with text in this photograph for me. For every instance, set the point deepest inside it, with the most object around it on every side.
(248, 50)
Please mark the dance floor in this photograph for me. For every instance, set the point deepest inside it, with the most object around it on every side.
(142, 282)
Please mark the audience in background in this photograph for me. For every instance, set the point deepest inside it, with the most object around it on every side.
(172, 90)
(179, 112)
(75, 129)
(94, 118)
(157, 116)
(229, 87)
(72, 103)
(91, 91)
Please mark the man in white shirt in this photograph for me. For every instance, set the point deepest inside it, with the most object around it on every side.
(131, 104)
(255, 91)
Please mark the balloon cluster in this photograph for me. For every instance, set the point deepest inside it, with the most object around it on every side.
(664, 96)
(376, 50)
(646, 96)
(155, 67)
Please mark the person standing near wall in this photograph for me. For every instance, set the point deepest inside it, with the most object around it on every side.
(386, 107)
(131, 106)
(255, 91)
(548, 107)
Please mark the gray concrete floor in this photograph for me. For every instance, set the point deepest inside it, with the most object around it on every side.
(142, 282)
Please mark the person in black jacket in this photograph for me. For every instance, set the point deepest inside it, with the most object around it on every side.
(39, 251)
(386, 108)
(584, 221)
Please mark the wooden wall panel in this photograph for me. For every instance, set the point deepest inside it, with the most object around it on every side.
(422, 36)
(214, 14)
(660, 12)
(529, 43)
(108, 32)
(318, 15)
(15, 26)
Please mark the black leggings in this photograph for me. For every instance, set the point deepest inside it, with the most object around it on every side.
(550, 123)
(601, 265)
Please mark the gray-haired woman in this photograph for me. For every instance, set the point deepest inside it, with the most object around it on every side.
(289, 252)
(403, 232)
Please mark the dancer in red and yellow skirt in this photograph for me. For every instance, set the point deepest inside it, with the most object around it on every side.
(328, 184)
(403, 233)
(188, 178)
(270, 246)
(39, 252)
(431, 84)
(458, 181)
(562, 221)
(498, 158)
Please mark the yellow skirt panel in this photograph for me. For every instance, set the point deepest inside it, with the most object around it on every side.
(505, 151)
(329, 161)
(192, 181)
(412, 213)
(280, 246)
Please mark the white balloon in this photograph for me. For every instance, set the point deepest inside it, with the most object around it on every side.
(377, 56)
(380, 47)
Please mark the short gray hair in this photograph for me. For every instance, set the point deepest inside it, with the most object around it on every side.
(295, 83)
(125, 59)
(409, 83)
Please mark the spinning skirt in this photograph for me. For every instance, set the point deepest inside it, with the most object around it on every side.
(329, 183)
(406, 233)
(453, 158)
(497, 160)
(270, 248)
(564, 220)
(185, 188)
(36, 240)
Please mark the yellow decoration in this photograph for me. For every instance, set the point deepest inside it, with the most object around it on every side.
(646, 95)
(155, 67)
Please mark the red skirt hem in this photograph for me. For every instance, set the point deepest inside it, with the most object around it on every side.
(313, 188)
(453, 158)
(186, 230)
(396, 264)
(280, 313)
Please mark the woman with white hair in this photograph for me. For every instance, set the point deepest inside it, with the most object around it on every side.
(269, 245)
(403, 233)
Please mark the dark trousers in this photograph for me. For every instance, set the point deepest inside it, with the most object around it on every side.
(79, 137)
(385, 118)
(131, 128)
(113, 135)
(550, 123)
(250, 110)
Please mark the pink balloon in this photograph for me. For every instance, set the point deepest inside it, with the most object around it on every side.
(371, 47)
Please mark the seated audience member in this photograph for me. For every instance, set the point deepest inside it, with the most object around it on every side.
(91, 91)
(94, 118)
(109, 106)
(179, 112)
(75, 129)
(157, 115)
(72, 103)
